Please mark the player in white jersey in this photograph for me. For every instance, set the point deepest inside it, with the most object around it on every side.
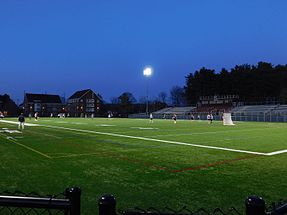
(151, 118)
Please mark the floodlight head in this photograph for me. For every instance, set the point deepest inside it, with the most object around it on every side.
(147, 71)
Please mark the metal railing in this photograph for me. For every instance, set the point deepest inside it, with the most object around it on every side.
(31, 204)
(260, 117)
(253, 206)
(25, 204)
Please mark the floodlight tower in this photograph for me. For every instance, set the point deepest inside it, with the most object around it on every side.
(147, 72)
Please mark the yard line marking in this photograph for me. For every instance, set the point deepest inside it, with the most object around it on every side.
(276, 152)
(144, 128)
(27, 147)
(158, 140)
(12, 122)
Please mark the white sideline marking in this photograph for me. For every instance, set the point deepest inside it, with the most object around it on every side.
(12, 122)
(6, 130)
(277, 152)
(144, 128)
(162, 141)
(79, 123)
(215, 132)
(147, 139)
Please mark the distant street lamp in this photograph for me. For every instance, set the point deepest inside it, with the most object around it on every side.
(147, 72)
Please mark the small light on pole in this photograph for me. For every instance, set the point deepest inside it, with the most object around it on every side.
(147, 72)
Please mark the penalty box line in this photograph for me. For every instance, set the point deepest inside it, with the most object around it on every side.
(161, 141)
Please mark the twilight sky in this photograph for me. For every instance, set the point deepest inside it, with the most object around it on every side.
(61, 46)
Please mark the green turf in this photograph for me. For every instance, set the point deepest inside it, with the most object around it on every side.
(142, 172)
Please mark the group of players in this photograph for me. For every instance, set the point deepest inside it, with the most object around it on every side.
(21, 118)
(209, 118)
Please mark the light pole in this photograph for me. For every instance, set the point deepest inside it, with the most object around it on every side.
(147, 72)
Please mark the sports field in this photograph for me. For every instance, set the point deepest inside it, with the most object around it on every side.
(143, 164)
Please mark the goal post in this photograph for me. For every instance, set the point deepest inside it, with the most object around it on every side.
(227, 120)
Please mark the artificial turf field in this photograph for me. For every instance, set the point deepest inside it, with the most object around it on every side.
(145, 164)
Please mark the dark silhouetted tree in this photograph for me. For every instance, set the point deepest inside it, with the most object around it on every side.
(252, 83)
(162, 96)
(127, 98)
(177, 96)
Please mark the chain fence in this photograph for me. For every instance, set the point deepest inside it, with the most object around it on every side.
(69, 203)
(19, 203)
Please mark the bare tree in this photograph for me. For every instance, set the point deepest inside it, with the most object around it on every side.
(177, 96)
(162, 97)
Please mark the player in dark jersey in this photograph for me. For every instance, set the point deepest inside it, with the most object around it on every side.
(21, 120)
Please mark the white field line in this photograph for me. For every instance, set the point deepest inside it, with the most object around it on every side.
(158, 140)
(12, 122)
(276, 153)
(214, 132)
(149, 139)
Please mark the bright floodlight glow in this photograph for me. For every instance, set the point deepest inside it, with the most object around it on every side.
(147, 71)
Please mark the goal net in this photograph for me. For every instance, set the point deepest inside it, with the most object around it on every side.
(227, 119)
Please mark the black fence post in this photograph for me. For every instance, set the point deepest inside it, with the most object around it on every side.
(255, 206)
(107, 205)
(74, 195)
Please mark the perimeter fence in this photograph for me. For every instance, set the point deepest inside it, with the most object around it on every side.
(19, 203)
(259, 117)
(236, 116)
(69, 203)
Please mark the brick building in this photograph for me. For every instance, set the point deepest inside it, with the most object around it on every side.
(44, 104)
(84, 103)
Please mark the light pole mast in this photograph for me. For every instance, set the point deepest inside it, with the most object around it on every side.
(147, 72)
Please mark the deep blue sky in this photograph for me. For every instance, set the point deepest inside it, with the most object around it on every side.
(60, 46)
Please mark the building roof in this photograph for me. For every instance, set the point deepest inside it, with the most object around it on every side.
(43, 98)
(81, 93)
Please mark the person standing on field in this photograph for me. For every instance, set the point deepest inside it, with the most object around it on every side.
(21, 120)
(209, 118)
(36, 116)
(1, 115)
(151, 118)
(174, 118)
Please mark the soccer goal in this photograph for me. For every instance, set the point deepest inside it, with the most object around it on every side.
(227, 119)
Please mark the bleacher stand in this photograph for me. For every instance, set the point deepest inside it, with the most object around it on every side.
(255, 108)
(263, 113)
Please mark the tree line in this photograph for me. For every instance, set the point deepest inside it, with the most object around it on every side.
(252, 83)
